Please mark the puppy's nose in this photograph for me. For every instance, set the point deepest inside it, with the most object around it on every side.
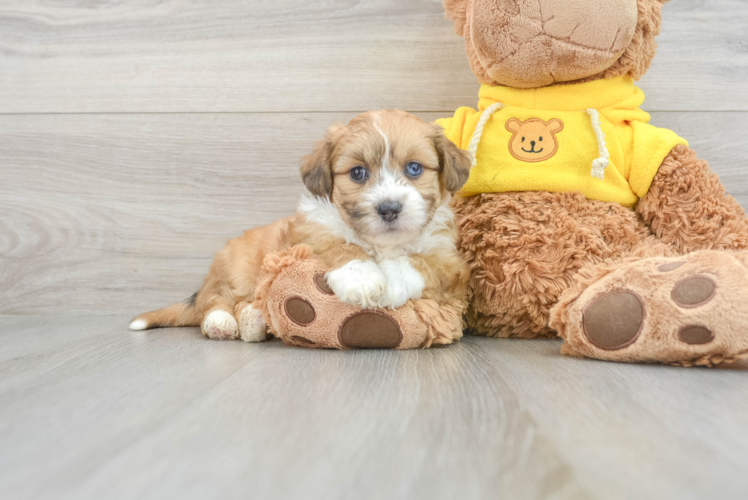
(389, 210)
(532, 143)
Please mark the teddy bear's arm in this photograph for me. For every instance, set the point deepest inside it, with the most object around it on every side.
(688, 207)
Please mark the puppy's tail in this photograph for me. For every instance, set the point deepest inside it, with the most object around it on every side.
(181, 314)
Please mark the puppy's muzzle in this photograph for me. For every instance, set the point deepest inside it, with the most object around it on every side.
(389, 210)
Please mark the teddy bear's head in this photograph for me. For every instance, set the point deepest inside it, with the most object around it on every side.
(536, 43)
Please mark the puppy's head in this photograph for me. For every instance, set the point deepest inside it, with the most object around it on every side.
(387, 172)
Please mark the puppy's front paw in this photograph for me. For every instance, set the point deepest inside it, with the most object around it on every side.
(358, 283)
(403, 282)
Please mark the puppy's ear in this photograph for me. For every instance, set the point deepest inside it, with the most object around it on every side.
(316, 168)
(454, 163)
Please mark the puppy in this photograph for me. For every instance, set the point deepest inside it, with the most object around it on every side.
(377, 214)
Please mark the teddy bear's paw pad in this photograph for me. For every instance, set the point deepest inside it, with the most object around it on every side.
(694, 291)
(321, 283)
(220, 325)
(695, 335)
(302, 340)
(300, 311)
(614, 320)
(670, 266)
(370, 330)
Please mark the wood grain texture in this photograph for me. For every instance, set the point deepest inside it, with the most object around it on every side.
(297, 55)
(90, 410)
(124, 212)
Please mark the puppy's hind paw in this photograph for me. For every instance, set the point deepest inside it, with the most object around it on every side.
(220, 325)
(252, 327)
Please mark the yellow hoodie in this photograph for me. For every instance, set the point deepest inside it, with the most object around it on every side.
(587, 137)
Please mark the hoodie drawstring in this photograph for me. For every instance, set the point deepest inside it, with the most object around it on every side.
(600, 164)
(473, 148)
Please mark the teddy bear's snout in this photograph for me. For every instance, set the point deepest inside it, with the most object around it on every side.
(557, 43)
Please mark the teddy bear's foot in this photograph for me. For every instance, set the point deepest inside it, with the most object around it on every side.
(306, 313)
(301, 308)
(687, 310)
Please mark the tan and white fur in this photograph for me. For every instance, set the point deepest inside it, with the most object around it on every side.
(377, 214)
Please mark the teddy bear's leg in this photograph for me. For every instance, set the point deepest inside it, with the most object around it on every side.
(302, 310)
(306, 313)
(685, 310)
(688, 208)
(525, 250)
(252, 327)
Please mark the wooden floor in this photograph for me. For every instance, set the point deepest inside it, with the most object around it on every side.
(136, 136)
(89, 410)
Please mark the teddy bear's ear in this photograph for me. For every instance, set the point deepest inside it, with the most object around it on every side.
(513, 125)
(316, 168)
(555, 125)
(454, 163)
(456, 10)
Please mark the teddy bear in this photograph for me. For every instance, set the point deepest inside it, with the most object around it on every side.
(580, 219)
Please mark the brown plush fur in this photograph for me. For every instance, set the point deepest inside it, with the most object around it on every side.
(236, 271)
(526, 249)
(634, 61)
(688, 207)
(522, 257)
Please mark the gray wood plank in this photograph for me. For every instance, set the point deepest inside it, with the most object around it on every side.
(614, 422)
(295, 55)
(124, 212)
(169, 414)
(701, 60)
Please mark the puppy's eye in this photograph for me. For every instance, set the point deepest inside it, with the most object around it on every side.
(523, 139)
(359, 174)
(541, 138)
(413, 169)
